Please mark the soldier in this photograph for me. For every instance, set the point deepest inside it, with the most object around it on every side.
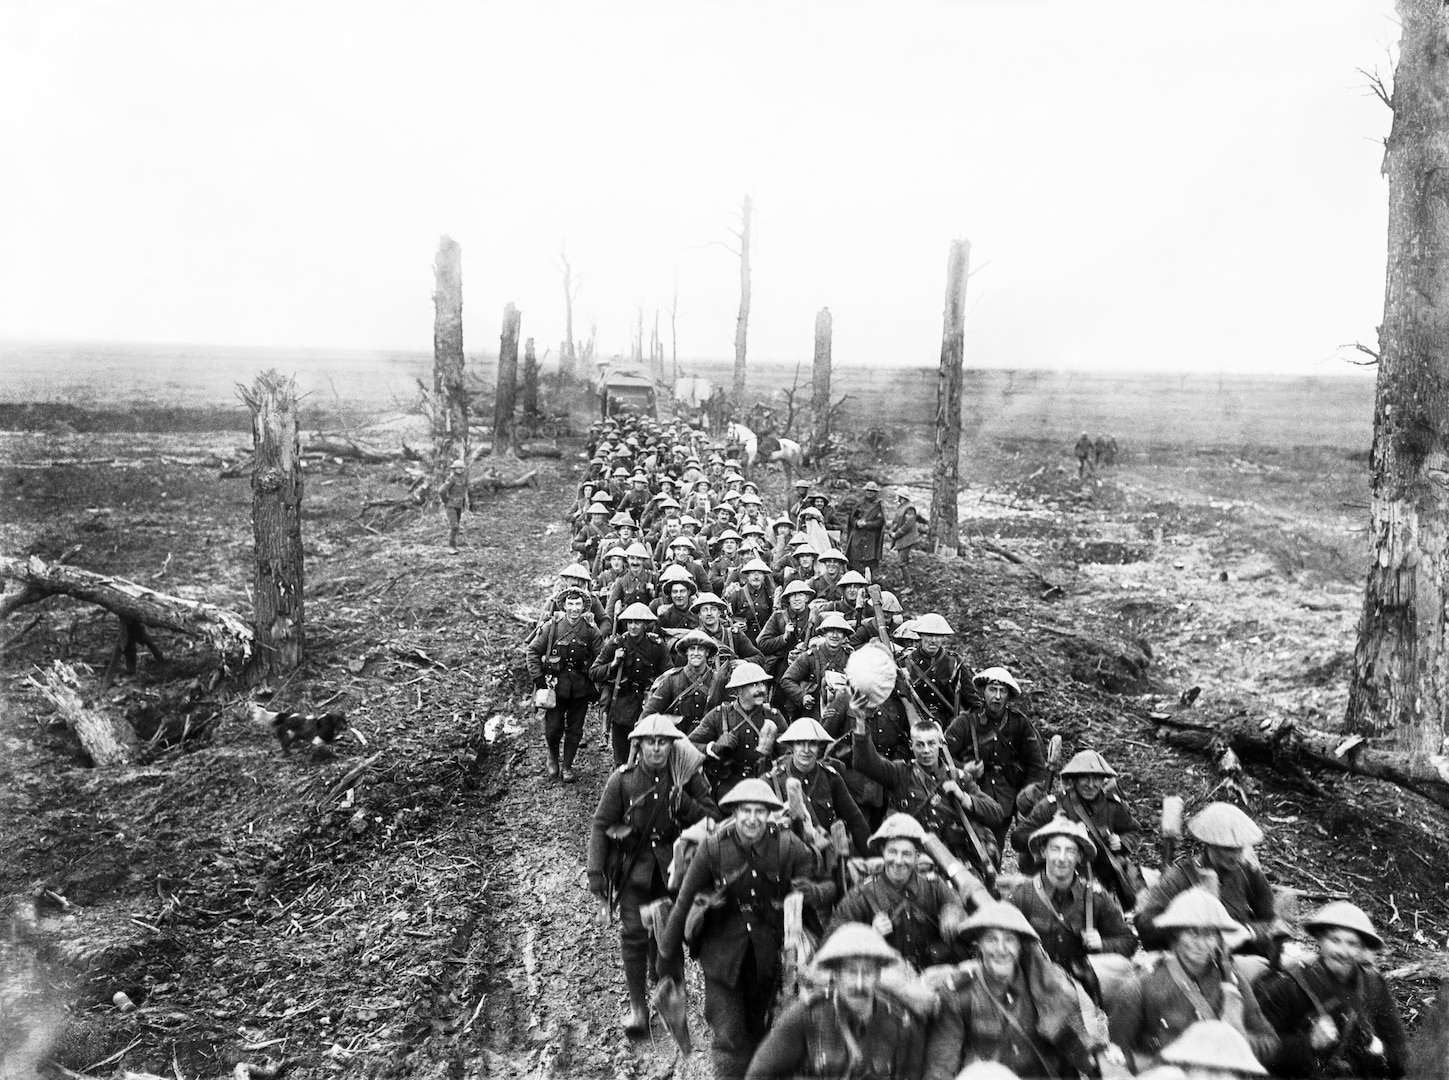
(999, 742)
(827, 799)
(1057, 900)
(635, 501)
(1110, 823)
(709, 608)
(682, 553)
(815, 676)
(560, 657)
(863, 536)
(796, 500)
(826, 583)
(753, 600)
(1336, 1016)
(1224, 869)
(853, 600)
(574, 576)
(454, 497)
(685, 690)
(644, 807)
(1194, 981)
(905, 535)
(678, 588)
(800, 566)
(853, 1027)
(1086, 464)
(728, 559)
(586, 543)
(918, 916)
(1012, 1006)
(786, 633)
(751, 864)
(734, 735)
(626, 667)
(868, 630)
(635, 584)
(942, 682)
(952, 806)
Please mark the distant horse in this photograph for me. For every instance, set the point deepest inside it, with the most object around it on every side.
(768, 448)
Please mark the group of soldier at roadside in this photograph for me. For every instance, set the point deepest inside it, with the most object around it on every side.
(1094, 455)
(799, 762)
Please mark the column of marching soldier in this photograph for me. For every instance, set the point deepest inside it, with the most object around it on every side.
(812, 796)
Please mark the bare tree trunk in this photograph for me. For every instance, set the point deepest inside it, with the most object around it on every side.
(820, 389)
(450, 403)
(530, 379)
(1401, 664)
(505, 396)
(943, 534)
(567, 357)
(276, 524)
(674, 328)
(637, 353)
(656, 349)
(742, 323)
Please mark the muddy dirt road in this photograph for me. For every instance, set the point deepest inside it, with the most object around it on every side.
(434, 921)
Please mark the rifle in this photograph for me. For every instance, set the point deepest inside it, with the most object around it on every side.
(605, 737)
(1123, 885)
(878, 613)
(966, 883)
(978, 847)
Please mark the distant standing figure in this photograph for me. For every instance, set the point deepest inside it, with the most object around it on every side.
(867, 523)
(905, 535)
(1086, 452)
(454, 496)
(1105, 451)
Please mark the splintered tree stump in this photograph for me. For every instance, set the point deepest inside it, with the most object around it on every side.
(106, 742)
(276, 524)
(450, 398)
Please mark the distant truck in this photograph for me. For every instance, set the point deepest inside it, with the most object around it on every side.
(627, 390)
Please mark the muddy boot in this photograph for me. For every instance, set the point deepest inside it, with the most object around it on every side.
(551, 768)
(637, 1022)
(568, 764)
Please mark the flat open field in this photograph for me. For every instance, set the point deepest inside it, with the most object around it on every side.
(435, 922)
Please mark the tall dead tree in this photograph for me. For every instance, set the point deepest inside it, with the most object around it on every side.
(742, 323)
(450, 401)
(820, 387)
(276, 525)
(1400, 680)
(674, 329)
(945, 481)
(568, 357)
(530, 379)
(506, 394)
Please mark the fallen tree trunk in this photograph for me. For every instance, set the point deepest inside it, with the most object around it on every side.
(340, 446)
(1285, 746)
(33, 579)
(105, 741)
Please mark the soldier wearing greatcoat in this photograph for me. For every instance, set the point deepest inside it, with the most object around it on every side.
(645, 805)
(818, 674)
(751, 865)
(626, 668)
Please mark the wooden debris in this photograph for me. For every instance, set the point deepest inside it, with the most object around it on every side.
(105, 741)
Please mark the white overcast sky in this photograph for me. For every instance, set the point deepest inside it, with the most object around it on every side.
(1190, 184)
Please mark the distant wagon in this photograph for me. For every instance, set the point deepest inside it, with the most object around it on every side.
(627, 390)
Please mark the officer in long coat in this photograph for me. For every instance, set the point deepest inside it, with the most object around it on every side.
(863, 540)
(645, 805)
(751, 865)
(626, 668)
